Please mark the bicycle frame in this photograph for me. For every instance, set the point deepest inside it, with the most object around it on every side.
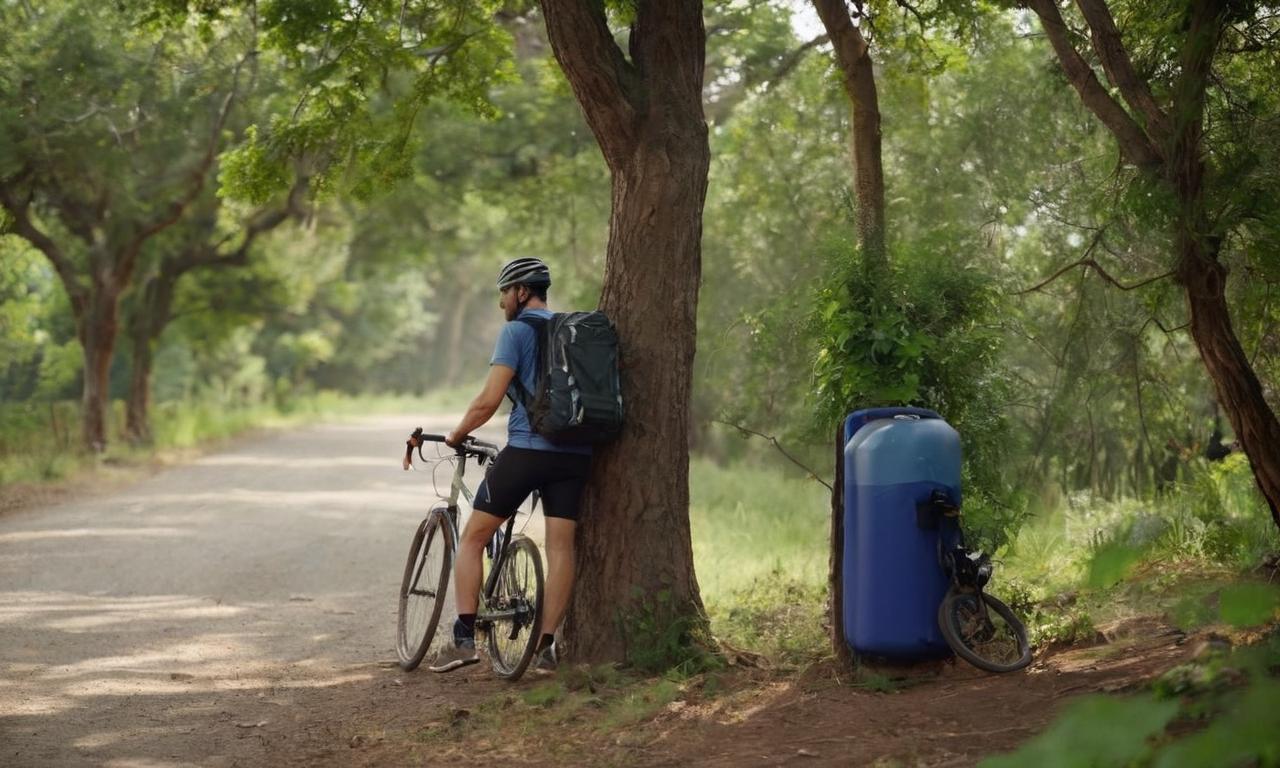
(496, 550)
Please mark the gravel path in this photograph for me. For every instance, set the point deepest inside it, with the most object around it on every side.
(174, 622)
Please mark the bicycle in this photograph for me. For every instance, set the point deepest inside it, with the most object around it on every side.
(978, 626)
(510, 606)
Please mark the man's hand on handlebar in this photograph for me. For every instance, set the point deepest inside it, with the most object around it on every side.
(453, 441)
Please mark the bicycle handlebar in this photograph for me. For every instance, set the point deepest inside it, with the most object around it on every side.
(469, 447)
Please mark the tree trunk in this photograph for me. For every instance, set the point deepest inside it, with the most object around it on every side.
(456, 337)
(138, 406)
(1201, 274)
(835, 565)
(634, 557)
(853, 56)
(150, 316)
(97, 333)
(635, 552)
(1237, 386)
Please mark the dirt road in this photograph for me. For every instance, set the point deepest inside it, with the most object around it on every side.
(185, 619)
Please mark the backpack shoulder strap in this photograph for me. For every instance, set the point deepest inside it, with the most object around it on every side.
(538, 324)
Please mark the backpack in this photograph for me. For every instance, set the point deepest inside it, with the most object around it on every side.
(577, 397)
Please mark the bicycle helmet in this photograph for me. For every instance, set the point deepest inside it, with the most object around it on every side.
(524, 271)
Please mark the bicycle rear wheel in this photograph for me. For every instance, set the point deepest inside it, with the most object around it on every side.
(423, 588)
(515, 609)
(987, 635)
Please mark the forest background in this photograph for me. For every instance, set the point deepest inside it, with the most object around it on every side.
(296, 230)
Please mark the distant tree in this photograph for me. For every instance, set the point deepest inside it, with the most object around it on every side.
(198, 245)
(101, 151)
(1191, 105)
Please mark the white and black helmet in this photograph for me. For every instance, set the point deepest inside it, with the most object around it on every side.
(525, 271)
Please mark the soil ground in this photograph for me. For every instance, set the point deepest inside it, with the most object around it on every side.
(239, 610)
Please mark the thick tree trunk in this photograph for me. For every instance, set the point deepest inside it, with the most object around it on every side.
(635, 556)
(637, 589)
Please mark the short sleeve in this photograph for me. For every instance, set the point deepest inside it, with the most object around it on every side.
(506, 351)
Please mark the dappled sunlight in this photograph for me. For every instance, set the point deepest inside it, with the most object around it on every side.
(263, 499)
(285, 462)
(203, 602)
(21, 537)
(27, 607)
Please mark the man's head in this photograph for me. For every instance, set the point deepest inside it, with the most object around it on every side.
(520, 281)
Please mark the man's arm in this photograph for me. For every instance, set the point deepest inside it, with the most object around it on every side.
(485, 404)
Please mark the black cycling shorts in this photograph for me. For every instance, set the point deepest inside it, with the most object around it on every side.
(518, 472)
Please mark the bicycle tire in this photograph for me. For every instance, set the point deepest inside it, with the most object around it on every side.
(517, 590)
(413, 637)
(963, 625)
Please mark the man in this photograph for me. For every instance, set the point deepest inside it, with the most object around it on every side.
(529, 462)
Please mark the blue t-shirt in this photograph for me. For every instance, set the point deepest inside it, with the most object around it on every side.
(517, 348)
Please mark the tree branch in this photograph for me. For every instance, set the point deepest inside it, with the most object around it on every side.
(1109, 45)
(1135, 146)
(20, 211)
(1088, 263)
(721, 108)
(745, 431)
(607, 86)
(197, 178)
(259, 224)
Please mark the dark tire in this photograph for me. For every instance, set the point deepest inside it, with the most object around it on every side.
(515, 609)
(992, 639)
(423, 588)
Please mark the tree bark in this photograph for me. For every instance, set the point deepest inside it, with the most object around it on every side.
(835, 565)
(149, 320)
(634, 555)
(853, 55)
(96, 329)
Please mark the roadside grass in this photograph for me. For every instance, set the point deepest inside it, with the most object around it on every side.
(39, 441)
(603, 706)
(1072, 569)
(760, 547)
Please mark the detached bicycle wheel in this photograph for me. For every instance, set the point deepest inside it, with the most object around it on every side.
(422, 590)
(986, 634)
(515, 609)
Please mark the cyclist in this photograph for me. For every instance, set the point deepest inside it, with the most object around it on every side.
(528, 462)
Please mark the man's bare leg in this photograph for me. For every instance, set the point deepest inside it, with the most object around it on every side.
(467, 567)
(559, 587)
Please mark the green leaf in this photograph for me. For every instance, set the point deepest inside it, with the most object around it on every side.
(1111, 562)
(1094, 731)
(1246, 735)
(1248, 605)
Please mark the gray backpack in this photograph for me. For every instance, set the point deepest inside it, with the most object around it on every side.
(577, 397)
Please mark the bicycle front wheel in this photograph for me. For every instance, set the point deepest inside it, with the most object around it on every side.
(515, 609)
(423, 588)
(987, 635)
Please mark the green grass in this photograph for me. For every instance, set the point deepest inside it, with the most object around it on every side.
(760, 547)
(1215, 518)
